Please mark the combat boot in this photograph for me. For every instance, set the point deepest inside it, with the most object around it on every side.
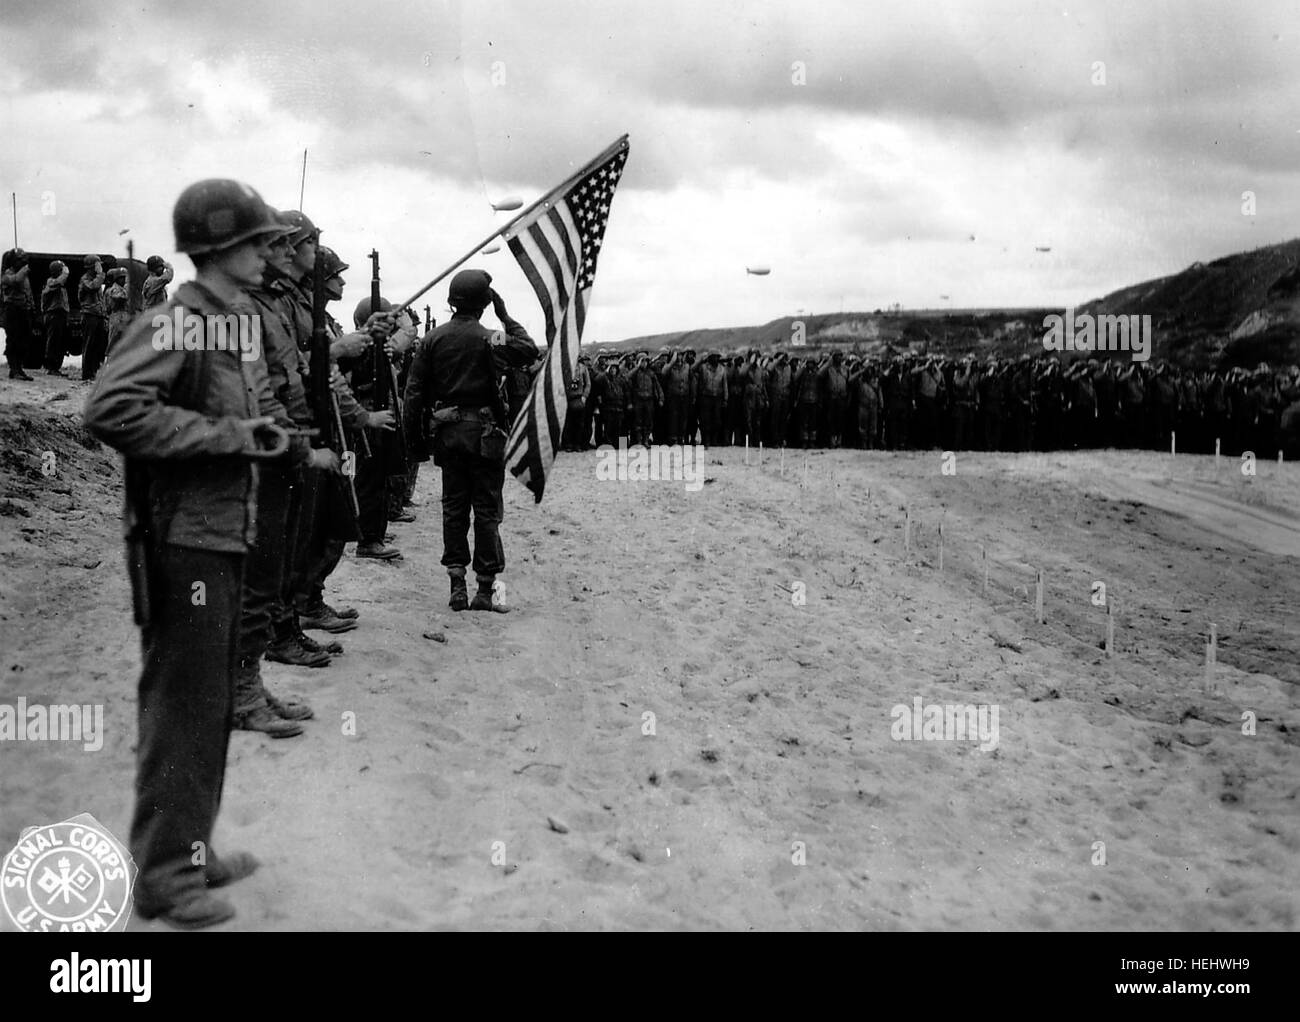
(378, 552)
(326, 620)
(325, 610)
(264, 719)
(483, 597)
(459, 593)
(196, 912)
(288, 650)
(312, 646)
(289, 709)
(229, 868)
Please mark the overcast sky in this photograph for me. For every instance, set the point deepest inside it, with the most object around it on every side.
(932, 146)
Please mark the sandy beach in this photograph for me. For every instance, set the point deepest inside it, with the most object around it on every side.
(685, 722)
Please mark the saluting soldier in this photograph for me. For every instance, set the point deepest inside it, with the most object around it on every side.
(187, 422)
(453, 379)
(54, 307)
(16, 293)
(94, 326)
(154, 290)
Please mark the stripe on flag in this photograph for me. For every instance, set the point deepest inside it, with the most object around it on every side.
(556, 246)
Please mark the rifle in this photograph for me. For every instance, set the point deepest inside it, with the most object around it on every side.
(325, 406)
(386, 390)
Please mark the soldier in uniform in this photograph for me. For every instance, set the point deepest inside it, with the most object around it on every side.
(154, 290)
(754, 380)
(712, 396)
(16, 293)
(1106, 386)
(1215, 403)
(992, 407)
(1083, 404)
(1263, 399)
(1164, 407)
(266, 625)
(807, 392)
(186, 422)
(1132, 403)
(1191, 417)
(614, 398)
(1020, 403)
(864, 385)
(578, 392)
(675, 380)
(54, 308)
(965, 405)
(896, 388)
(647, 396)
(780, 380)
(833, 392)
(117, 302)
(453, 379)
(94, 327)
(734, 419)
(927, 382)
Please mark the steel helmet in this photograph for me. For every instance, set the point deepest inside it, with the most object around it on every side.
(215, 214)
(362, 311)
(56, 267)
(470, 287)
(91, 260)
(332, 263)
(301, 227)
(154, 263)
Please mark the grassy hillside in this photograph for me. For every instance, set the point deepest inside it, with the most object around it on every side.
(1238, 310)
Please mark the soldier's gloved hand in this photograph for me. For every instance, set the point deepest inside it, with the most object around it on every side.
(383, 419)
(351, 345)
(248, 428)
(325, 459)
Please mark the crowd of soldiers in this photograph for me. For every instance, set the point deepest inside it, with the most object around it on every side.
(910, 402)
(104, 302)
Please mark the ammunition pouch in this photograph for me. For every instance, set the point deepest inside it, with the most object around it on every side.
(457, 430)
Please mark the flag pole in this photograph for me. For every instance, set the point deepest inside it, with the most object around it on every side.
(604, 155)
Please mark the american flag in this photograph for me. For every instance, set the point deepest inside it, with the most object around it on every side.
(557, 244)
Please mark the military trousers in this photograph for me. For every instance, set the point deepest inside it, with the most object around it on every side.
(186, 694)
(472, 484)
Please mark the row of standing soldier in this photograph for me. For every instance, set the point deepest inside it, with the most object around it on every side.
(247, 470)
(923, 402)
(104, 303)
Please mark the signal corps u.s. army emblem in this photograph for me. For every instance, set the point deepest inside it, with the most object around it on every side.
(71, 877)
